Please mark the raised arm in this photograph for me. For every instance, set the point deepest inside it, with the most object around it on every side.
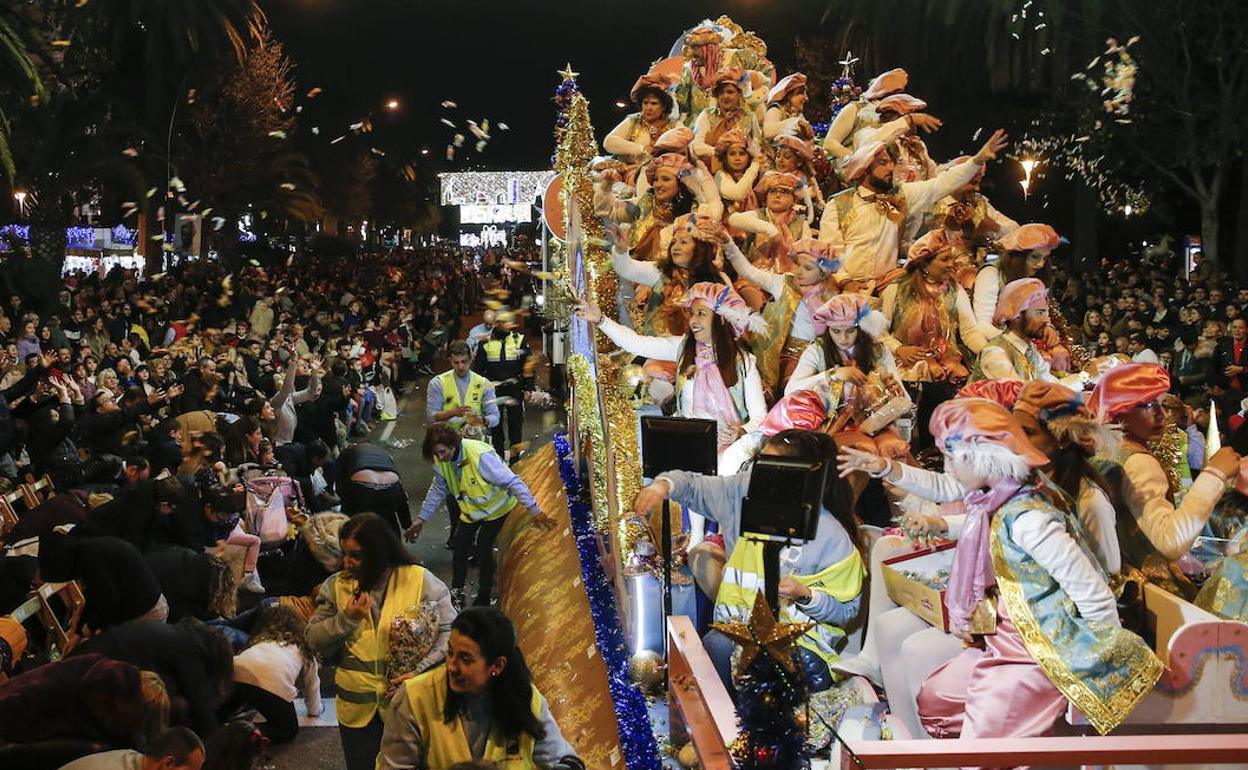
(772, 283)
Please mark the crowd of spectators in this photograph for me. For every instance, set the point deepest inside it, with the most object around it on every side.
(153, 405)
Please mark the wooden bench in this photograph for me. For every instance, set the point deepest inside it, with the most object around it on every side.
(8, 519)
(38, 492)
(39, 604)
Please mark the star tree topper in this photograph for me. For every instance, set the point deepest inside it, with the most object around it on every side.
(567, 74)
(763, 632)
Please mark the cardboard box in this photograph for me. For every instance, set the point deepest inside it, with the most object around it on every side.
(924, 601)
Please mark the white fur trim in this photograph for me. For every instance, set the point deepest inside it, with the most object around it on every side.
(874, 324)
(991, 461)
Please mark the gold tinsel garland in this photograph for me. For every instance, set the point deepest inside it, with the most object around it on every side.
(605, 414)
(1169, 452)
(1078, 353)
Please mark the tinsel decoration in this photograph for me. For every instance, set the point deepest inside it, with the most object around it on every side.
(1078, 353)
(770, 692)
(1169, 452)
(637, 742)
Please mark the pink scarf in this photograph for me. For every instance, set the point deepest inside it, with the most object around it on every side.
(972, 572)
(711, 398)
(784, 240)
(812, 295)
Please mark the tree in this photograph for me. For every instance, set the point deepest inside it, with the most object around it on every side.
(19, 77)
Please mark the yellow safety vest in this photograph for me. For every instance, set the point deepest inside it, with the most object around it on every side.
(446, 744)
(474, 396)
(506, 349)
(360, 678)
(478, 499)
(743, 579)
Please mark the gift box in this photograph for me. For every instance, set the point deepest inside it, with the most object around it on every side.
(917, 581)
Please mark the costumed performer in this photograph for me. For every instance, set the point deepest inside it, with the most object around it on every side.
(716, 376)
(1023, 309)
(794, 155)
(774, 227)
(1057, 636)
(973, 224)
(631, 140)
(785, 102)
(481, 707)
(861, 114)
(819, 581)
(1153, 531)
(796, 295)
(1023, 254)
(729, 112)
(927, 313)
(868, 219)
(899, 114)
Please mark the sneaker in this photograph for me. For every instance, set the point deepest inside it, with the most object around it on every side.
(251, 583)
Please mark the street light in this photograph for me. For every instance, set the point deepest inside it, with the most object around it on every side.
(20, 197)
(392, 105)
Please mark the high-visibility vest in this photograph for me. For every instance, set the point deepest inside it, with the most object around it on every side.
(506, 349)
(360, 678)
(478, 499)
(474, 395)
(446, 744)
(743, 580)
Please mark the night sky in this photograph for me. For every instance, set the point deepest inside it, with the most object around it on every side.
(497, 59)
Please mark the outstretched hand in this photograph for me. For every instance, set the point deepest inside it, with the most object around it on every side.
(993, 147)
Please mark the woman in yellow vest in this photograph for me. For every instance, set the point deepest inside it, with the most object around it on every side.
(820, 581)
(378, 584)
(480, 707)
(485, 491)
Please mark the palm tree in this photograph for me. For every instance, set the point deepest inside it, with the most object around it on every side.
(18, 75)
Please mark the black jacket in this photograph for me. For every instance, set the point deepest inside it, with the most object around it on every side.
(116, 581)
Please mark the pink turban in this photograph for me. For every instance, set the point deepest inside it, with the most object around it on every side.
(733, 137)
(1033, 237)
(802, 409)
(932, 243)
(983, 422)
(824, 254)
(848, 310)
(861, 159)
(902, 104)
(1126, 386)
(775, 180)
(1017, 296)
(1004, 392)
(730, 76)
(659, 82)
(726, 304)
(803, 149)
(673, 140)
(787, 84)
(670, 161)
(886, 83)
(1049, 400)
(701, 227)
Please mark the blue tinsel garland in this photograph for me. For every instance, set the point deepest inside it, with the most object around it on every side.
(637, 742)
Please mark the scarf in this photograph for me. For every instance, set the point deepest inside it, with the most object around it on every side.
(704, 72)
(783, 242)
(972, 574)
(812, 295)
(711, 398)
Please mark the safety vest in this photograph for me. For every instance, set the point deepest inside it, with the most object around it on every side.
(474, 396)
(360, 678)
(506, 349)
(446, 744)
(478, 499)
(743, 579)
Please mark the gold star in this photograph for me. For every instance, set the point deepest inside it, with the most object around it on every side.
(763, 632)
(567, 74)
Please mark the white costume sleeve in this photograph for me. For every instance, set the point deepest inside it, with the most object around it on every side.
(887, 133)
(705, 193)
(830, 229)
(987, 289)
(739, 189)
(772, 283)
(1046, 540)
(1096, 513)
(838, 133)
(658, 348)
(967, 328)
(996, 365)
(755, 401)
(618, 143)
(809, 372)
(921, 196)
(1005, 225)
(929, 485)
(701, 127)
(1171, 530)
(752, 223)
(635, 270)
(775, 124)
